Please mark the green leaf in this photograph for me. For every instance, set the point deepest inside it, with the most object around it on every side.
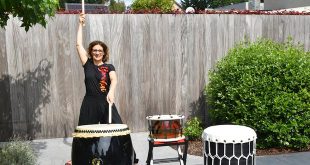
(30, 12)
(3, 4)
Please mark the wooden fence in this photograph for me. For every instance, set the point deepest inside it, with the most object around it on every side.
(162, 63)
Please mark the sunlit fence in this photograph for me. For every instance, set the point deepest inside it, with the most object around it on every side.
(162, 64)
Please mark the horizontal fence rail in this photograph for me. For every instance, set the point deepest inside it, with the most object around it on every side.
(162, 64)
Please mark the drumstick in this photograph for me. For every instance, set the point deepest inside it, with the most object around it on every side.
(110, 113)
(83, 10)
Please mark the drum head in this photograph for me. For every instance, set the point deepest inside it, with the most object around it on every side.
(101, 130)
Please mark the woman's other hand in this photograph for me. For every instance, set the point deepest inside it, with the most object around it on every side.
(110, 97)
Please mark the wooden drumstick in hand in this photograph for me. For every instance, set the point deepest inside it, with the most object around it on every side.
(83, 10)
(110, 113)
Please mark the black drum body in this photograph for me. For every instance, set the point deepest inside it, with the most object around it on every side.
(230, 153)
(111, 150)
(102, 144)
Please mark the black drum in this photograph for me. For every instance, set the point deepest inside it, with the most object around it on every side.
(102, 144)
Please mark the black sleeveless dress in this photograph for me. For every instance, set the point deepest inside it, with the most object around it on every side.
(95, 107)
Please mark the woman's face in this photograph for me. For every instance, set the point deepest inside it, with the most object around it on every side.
(97, 53)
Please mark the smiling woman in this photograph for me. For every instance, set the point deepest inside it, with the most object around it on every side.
(98, 52)
(100, 81)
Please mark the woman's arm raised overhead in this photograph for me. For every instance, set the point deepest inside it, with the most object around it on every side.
(79, 40)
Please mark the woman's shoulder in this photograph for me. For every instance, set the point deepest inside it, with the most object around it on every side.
(89, 61)
(110, 66)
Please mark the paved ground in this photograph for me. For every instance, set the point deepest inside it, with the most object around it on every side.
(58, 151)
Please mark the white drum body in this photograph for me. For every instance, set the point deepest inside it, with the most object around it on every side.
(165, 126)
(229, 145)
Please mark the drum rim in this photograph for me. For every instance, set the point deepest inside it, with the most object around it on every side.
(168, 139)
(166, 117)
(226, 134)
(91, 126)
(83, 132)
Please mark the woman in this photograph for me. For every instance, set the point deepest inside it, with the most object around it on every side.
(100, 82)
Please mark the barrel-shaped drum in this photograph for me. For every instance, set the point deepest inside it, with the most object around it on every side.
(165, 126)
(102, 144)
(229, 145)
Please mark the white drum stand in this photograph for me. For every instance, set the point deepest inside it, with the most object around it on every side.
(229, 145)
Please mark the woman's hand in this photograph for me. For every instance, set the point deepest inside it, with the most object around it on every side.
(110, 97)
(82, 19)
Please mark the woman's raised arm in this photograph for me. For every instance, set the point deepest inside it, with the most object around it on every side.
(79, 40)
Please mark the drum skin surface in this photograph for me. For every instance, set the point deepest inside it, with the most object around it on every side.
(108, 150)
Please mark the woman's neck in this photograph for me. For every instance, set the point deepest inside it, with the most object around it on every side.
(97, 62)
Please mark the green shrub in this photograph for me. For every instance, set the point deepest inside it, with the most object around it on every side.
(117, 7)
(162, 5)
(264, 85)
(193, 129)
(17, 152)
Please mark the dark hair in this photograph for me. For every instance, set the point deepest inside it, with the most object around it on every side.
(106, 54)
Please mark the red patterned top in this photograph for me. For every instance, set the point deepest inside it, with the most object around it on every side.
(97, 79)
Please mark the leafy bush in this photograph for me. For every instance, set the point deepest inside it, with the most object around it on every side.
(264, 85)
(117, 7)
(162, 5)
(193, 129)
(17, 152)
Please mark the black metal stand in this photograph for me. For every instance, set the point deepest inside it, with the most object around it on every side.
(181, 156)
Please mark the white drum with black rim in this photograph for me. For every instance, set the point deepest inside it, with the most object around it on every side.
(229, 145)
